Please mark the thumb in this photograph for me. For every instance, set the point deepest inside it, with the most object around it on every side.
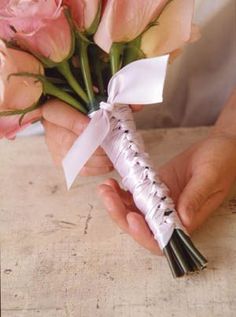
(194, 195)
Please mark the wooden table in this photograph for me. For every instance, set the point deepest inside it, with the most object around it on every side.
(62, 256)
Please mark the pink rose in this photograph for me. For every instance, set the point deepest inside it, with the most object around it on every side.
(124, 20)
(173, 29)
(41, 27)
(9, 126)
(17, 92)
(84, 12)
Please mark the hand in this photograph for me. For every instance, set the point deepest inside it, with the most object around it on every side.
(63, 125)
(199, 179)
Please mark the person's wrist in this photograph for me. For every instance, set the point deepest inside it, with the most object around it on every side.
(225, 125)
(223, 133)
(228, 145)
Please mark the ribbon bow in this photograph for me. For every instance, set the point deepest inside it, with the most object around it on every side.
(140, 82)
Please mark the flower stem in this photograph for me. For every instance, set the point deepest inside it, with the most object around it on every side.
(115, 57)
(187, 241)
(176, 271)
(64, 69)
(133, 52)
(84, 63)
(19, 111)
(180, 256)
(98, 72)
(53, 90)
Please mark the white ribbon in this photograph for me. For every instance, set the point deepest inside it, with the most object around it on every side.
(140, 82)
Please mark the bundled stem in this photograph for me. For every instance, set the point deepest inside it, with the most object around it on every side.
(53, 90)
(84, 63)
(133, 51)
(115, 57)
(182, 255)
(64, 69)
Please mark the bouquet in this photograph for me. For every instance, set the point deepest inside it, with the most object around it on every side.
(99, 57)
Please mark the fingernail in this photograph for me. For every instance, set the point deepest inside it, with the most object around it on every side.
(188, 217)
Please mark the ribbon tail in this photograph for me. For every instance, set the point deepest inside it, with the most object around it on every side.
(85, 145)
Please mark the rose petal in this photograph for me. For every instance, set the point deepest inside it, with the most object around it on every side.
(83, 12)
(17, 92)
(9, 126)
(124, 20)
(172, 31)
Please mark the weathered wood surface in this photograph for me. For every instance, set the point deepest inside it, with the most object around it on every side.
(62, 256)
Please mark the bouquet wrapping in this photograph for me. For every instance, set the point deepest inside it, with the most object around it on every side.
(100, 57)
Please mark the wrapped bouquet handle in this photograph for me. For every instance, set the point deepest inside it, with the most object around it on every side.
(125, 87)
(113, 127)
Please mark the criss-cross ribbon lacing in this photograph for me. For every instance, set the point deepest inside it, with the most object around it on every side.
(125, 149)
(112, 127)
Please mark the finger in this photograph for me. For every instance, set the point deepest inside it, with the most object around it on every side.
(206, 210)
(128, 221)
(136, 108)
(61, 137)
(57, 135)
(61, 114)
(99, 151)
(94, 171)
(51, 130)
(169, 177)
(66, 117)
(125, 196)
(114, 206)
(140, 232)
(99, 161)
(59, 140)
(200, 187)
(32, 116)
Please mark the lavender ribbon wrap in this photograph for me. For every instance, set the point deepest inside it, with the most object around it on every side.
(112, 126)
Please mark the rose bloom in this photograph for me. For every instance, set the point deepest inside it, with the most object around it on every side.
(173, 29)
(9, 126)
(124, 20)
(84, 12)
(17, 92)
(41, 27)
